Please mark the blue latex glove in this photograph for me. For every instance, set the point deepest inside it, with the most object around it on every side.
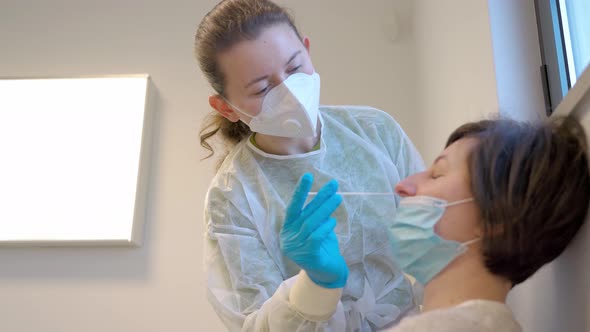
(308, 237)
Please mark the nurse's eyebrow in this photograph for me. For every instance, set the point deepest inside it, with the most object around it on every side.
(292, 57)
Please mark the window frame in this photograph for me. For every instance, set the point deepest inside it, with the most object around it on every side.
(554, 68)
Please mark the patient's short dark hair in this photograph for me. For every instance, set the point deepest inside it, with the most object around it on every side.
(531, 182)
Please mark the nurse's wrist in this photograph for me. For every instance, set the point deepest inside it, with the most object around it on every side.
(312, 300)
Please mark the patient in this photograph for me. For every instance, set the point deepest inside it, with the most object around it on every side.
(502, 200)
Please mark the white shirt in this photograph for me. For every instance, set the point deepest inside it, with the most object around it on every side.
(470, 316)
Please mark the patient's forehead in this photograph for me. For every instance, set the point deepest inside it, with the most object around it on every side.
(457, 154)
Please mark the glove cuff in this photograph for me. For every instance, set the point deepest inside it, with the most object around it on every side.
(313, 301)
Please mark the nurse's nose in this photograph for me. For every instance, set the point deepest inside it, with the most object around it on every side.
(279, 78)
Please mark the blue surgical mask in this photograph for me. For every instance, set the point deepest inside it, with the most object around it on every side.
(419, 251)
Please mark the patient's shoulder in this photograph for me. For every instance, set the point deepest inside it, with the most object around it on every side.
(470, 316)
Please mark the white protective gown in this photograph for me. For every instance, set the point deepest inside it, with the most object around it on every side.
(470, 316)
(250, 282)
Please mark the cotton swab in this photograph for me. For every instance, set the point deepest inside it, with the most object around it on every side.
(350, 193)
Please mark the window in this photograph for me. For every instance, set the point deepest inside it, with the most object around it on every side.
(564, 34)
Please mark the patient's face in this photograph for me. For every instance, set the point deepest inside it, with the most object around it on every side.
(448, 178)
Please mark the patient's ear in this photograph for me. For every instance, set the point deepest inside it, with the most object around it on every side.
(222, 107)
(479, 231)
(492, 231)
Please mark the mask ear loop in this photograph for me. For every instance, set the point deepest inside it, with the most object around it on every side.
(250, 117)
(477, 239)
(459, 202)
(464, 246)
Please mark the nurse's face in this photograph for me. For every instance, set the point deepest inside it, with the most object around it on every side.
(251, 68)
(448, 178)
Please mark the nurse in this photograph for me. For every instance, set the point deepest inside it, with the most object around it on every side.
(264, 274)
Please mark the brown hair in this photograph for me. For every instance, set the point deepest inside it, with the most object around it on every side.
(228, 23)
(532, 185)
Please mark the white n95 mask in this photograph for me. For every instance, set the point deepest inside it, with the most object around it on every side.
(418, 250)
(289, 109)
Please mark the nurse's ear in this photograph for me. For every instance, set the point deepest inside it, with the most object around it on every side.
(306, 43)
(222, 107)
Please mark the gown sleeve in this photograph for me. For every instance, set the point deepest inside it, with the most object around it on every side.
(246, 286)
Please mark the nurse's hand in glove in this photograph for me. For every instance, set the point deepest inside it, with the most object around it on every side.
(308, 237)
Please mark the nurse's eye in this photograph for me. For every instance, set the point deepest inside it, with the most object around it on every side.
(262, 92)
(290, 71)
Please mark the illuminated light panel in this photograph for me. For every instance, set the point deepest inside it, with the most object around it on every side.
(74, 160)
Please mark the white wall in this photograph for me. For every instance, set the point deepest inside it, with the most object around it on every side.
(475, 60)
(517, 59)
(160, 286)
(361, 58)
(455, 69)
